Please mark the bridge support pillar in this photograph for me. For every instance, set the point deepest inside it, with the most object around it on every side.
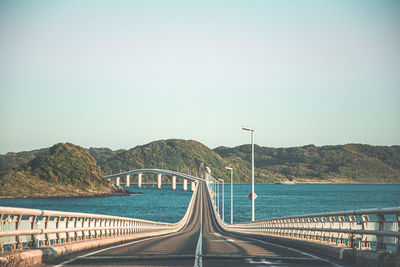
(139, 184)
(128, 180)
(192, 186)
(159, 181)
(184, 185)
(117, 181)
(173, 182)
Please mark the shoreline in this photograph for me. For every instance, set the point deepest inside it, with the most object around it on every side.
(128, 192)
(124, 193)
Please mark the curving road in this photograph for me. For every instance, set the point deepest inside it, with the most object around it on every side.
(200, 243)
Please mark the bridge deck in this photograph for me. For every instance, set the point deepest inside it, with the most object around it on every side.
(201, 242)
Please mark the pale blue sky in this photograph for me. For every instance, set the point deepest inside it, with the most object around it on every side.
(122, 73)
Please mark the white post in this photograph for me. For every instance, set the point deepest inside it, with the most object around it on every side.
(231, 196)
(192, 187)
(223, 198)
(140, 180)
(252, 169)
(117, 181)
(184, 185)
(218, 198)
(215, 193)
(159, 181)
(173, 182)
(252, 176)
(128, 180)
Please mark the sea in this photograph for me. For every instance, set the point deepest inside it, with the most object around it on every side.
(273, 201)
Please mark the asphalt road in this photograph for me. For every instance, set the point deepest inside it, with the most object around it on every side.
(200, 243)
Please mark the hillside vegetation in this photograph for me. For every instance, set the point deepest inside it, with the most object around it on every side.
(351, 163)
(12, 160)
(185, 155)
(62, 170)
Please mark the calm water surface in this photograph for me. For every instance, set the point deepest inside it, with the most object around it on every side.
(273, 201)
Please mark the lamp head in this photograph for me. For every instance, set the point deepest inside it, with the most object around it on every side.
(246, 128)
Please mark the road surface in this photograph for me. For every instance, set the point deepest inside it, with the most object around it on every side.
(199, 243)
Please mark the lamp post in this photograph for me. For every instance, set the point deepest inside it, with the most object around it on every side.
(229, 168)
(217, 196)
(223, 199)
(252, 169)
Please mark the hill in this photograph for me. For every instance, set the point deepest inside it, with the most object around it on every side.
(12, 159)
(351, 163)
(62, 170)
(185, 155)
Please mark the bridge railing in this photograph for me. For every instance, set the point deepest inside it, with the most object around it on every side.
(372, 229)
(31, 228)
(376, 229)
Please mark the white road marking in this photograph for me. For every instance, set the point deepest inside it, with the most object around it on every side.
(231, 240)
(217, 234)
(198, 261)
(265, 262)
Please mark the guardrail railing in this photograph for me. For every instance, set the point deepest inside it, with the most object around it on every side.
(368, 229)
(376, 229)
(32, 228)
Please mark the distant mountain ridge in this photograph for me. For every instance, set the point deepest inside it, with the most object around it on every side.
(341, 163)
(351, 163)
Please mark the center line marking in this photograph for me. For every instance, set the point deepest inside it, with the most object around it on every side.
(198, 262)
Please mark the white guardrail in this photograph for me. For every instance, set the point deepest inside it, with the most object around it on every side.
(368, 229)
(32, 228)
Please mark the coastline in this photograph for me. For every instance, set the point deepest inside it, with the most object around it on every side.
(122, 192)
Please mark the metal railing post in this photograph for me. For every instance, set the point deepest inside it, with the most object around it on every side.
(398, 238)
(380, 245)
(18, 225)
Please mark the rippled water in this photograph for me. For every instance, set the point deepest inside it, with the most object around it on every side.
(273, 201)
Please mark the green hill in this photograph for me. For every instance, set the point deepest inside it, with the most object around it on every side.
(354, 163)
(185, 155)
(62, 170)
(12, 159)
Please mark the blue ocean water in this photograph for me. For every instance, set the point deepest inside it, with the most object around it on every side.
(277, 200)
(273, 201)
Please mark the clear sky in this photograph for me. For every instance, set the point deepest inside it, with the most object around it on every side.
(122, 73)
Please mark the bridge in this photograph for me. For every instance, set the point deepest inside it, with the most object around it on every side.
(200, 238)
(116, 178)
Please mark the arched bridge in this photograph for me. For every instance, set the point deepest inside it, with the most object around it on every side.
(126, 178)
(200, 238)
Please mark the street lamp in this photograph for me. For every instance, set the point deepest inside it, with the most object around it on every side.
(217, 196)
(229, 168)
(252, 169)
(223, 198)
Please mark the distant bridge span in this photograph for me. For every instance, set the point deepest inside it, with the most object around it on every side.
(116, 178)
